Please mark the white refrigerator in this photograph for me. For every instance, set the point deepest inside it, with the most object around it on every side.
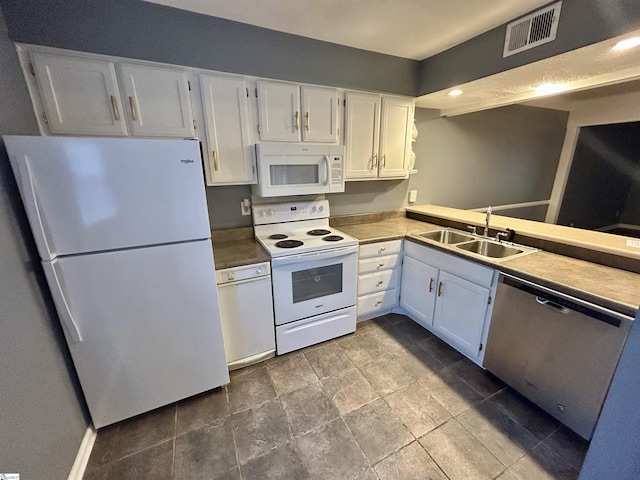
(122, 230)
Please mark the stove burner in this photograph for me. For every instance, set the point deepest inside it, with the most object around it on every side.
(318, 232)
(289, 243)
(278, 236)
(333, 238)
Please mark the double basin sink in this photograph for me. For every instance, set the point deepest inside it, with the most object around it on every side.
(482, 247)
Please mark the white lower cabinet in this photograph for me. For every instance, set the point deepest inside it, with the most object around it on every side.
(450, 296)
(378, 278)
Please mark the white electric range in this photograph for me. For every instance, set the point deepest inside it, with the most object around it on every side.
(314, 272)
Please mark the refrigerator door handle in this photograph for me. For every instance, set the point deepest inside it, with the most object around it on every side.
(31, 203)
(66, 318)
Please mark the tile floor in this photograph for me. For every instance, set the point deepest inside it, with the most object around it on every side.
(387, 402)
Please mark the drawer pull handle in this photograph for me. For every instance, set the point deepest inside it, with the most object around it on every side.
(380, 282)
(382, 249)
(439, 289)
(431, 285)
(378, 302)
(381, 264)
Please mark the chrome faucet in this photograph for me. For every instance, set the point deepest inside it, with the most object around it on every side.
(486, 221)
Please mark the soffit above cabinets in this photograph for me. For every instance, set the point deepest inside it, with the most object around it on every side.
(580, 70)
(414, 29)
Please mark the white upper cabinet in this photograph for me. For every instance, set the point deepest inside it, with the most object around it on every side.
(278, 112)
(395, 137)
(320, 107)
(362, 129)
(377, 136)
(79, 96)
(157, 101)
(290, 113)
(229, 158)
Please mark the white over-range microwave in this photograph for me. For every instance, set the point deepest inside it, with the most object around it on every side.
(298, 169)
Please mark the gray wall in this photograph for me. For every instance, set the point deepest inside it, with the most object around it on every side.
(582, 22)
(500, 156)
(613, 453)
(369, 196)
(224, 206)
(142, 30)
(42, 415)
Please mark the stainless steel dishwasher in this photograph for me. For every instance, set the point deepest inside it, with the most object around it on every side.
(558, 351)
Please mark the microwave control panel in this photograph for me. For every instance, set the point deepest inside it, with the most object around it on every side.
(336, 173)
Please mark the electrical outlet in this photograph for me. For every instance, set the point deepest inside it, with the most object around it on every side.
(245, 206)
(413, 196)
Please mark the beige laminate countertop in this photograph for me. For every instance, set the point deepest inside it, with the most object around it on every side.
(608, 287)
(236, 253)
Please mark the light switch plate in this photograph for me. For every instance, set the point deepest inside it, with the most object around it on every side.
(413, 196)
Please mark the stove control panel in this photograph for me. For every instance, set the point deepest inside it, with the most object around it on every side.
(289, 212)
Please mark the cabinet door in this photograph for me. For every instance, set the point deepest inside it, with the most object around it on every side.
(395, 137)
(279, 111)
(320, 119)
(461, 307)
(362, 130)
(157, 101)
(418, 293)
(80, 96)
(229, 156)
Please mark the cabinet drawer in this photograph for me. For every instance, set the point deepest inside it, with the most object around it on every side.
(377, 302)
(376, 264)
(377, 282)
(380, 248)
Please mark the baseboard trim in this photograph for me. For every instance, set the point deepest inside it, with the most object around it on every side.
(84, 452)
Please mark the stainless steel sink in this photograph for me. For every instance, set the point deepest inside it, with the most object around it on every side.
(449, 237)
(495, 250)
(489, 249)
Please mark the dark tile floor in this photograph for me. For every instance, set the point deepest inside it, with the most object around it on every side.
(387, 402)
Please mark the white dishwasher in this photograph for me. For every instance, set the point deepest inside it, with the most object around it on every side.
(246, 309)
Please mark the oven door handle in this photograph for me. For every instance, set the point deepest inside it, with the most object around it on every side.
(314, 256)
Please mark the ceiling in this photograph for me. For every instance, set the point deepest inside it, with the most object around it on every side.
(414, 29)
(578, 72)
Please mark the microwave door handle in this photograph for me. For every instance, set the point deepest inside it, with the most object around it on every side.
(326, 171)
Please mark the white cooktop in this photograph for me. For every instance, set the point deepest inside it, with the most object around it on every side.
(298, 227)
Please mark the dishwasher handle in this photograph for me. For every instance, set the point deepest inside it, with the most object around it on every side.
(552, 305)
(563, 303)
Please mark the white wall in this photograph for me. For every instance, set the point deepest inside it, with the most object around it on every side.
(42, 417)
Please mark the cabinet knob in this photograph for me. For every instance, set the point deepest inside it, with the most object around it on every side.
(382, 249)
(381, 264)
(378, 302)
(380, 282)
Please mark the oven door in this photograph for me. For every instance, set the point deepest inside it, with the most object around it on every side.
(309, 284)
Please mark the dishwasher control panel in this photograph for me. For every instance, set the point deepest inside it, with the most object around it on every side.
(245, 272)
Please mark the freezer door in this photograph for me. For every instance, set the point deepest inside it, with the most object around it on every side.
(96, 194)
(143, 326)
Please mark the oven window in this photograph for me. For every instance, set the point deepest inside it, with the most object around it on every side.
(316, 282)
(294, 174)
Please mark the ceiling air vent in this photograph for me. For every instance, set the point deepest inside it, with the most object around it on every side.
(533, 30)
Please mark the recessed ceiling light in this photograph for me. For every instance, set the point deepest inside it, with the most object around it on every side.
(455, 93)
(627, 43)
(549, 88)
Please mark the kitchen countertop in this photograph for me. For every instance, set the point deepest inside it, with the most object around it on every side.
(609, 287)
(236, 247)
